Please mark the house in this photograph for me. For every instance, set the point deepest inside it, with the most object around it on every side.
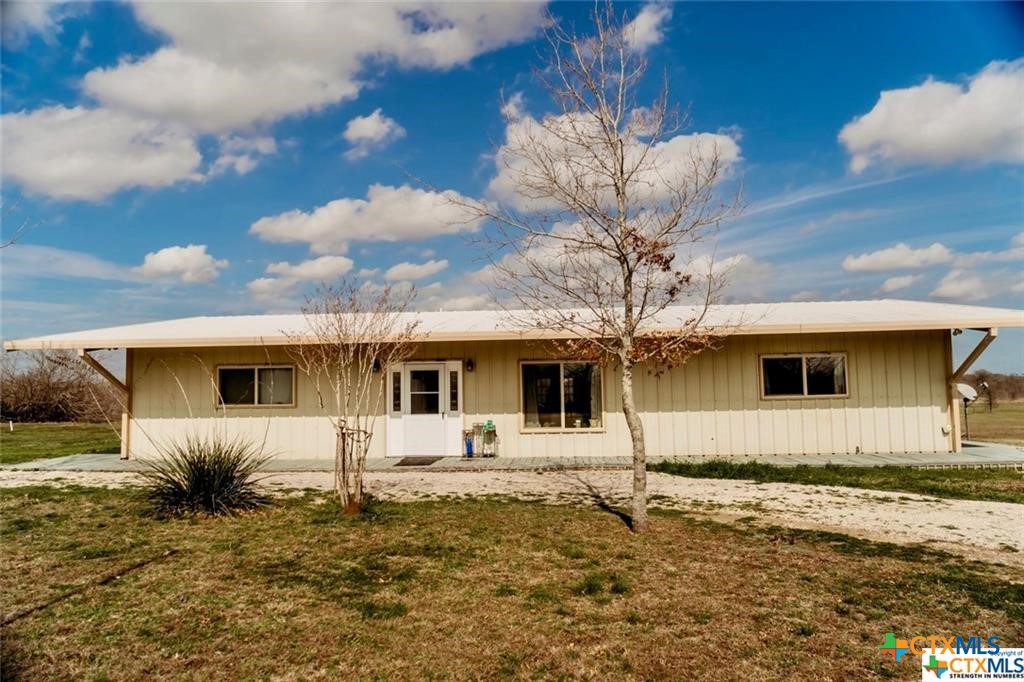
(790, 378)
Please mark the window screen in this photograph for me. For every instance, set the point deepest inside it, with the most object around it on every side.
(275, 385)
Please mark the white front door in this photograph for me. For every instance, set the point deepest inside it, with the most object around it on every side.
(423, 417)
(426, 410)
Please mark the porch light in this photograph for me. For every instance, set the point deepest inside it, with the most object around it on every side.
(470, 365)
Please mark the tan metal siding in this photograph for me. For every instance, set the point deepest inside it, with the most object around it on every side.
(897, 400)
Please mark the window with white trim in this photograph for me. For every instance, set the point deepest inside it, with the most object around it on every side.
(262, 385)
(561, 395)
(804, 375)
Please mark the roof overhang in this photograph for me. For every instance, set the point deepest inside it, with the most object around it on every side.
(749, 319)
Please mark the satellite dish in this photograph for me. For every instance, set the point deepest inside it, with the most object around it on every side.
(967, 392)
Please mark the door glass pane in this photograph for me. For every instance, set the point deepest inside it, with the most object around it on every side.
(424, 381)
(582, 386)
(453, 391)
(237, 386)
(424, 403)
(542, 407)
(275, 386)
(783, 376)
(826, 375)
(396, 391)
(424, 391)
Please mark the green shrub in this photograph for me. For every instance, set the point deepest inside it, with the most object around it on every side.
(206, 475)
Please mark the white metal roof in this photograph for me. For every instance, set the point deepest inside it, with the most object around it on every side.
(753, 318)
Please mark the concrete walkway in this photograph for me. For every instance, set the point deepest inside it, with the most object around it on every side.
(974, 454)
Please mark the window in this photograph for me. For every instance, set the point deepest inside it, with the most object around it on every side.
(396, 391)
(561, 395)
(424, 391)
(256, 386)
(808, 375)
(453, 390)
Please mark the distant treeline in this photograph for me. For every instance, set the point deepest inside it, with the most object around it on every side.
(1002, 387)
(54, 387)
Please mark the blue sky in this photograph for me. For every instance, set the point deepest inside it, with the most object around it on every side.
(146, 142)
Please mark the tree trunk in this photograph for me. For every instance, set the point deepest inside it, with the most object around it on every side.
(636, 433)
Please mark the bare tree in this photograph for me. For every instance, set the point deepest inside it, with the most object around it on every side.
(353, 335)
(597, 234)
(54, 386)
(15, 228)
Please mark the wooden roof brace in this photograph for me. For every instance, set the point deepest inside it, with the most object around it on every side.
(83, 354)
(990, 336)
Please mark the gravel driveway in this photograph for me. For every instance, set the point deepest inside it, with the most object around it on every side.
(989, 531)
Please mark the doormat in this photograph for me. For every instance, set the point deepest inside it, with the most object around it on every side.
(417, 461)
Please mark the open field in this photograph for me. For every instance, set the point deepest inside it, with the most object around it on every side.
(1005, 424)
(998, 485)
(465, 589)
(36, 441)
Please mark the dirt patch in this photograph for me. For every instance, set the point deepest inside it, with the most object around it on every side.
(989, 531)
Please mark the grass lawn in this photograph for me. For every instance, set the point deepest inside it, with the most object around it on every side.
(1001, 485)
(1005, 424)
(35, 441)
(479, 589)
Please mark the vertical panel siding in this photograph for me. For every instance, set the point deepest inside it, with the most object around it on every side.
(711, 405)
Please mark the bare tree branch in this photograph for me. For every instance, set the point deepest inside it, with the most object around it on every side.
(600, 241)
(353, 336)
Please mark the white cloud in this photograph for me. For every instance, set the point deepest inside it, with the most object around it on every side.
(961, 285)
(514, 108)
(806, 295)
(324, 268)
(898, 283)
(29, 261)
(840, 218)
(1015, 252)
(21, 20)
(367, 133)
(903, 257)
(189, 263)
(241, 154)
(208, 96)
(669, 163)
(79, 153)
(367, 272)
(387, 214)
(412, 271)
(268, 289)
(290, 276)
(646, 29)
(939, 123)
(898, 257)
(466, 302)
(228, 67)
(84, 43)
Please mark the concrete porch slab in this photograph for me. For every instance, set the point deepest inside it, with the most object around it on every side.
(974, 454)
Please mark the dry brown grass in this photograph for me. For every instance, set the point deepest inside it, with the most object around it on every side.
(1004, 424)
(478, 589)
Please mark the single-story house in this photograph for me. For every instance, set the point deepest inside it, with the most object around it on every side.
(790, 378)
